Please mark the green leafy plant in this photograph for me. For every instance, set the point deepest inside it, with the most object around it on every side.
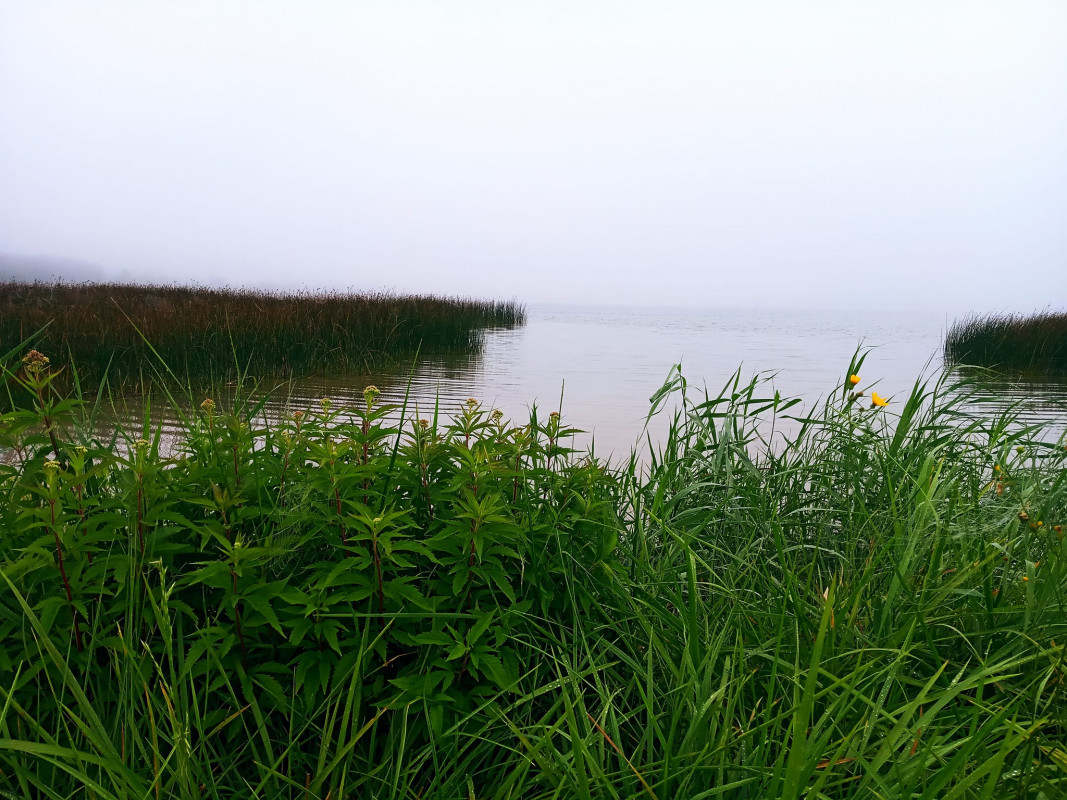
(864, 599)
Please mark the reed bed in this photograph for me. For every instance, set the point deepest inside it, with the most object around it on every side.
(205, 335)
(1035, 343)
(331, 607)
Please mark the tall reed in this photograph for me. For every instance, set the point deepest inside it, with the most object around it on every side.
(208, 335)
(333, 606)
(1025, 343)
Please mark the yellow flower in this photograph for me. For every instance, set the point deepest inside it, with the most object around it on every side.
(878, 401)
(853, 379)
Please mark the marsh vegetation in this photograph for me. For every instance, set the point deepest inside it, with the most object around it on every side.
(1031, 344)
(334, 605)
(134, 334)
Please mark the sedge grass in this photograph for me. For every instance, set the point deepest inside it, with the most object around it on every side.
(1035, 343)
(209, 335)
(328, 607)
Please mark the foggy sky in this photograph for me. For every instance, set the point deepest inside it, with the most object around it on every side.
(781, 154)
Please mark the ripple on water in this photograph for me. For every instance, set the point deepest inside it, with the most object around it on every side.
(605, 363)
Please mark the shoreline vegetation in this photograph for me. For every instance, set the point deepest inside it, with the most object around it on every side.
(135, 334)
(1028, 344)
(328, 606)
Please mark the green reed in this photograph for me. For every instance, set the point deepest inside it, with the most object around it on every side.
(1035, 343)
(210, 335)
(338, 605)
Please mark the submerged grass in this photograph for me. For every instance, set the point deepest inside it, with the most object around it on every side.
(209, 335)
(1032, 343)
(330, 607)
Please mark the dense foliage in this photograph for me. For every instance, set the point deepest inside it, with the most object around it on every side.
(1035, 343)
(209, 335)
(337, 605)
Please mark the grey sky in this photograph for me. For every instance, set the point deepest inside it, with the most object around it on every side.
(714, 153)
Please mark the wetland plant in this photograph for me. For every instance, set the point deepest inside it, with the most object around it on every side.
(208, 335)
(1032, 344)
(353, 603)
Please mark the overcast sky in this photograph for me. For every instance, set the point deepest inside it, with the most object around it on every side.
(780, 154)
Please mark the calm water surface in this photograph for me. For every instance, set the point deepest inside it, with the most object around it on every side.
(603, 364)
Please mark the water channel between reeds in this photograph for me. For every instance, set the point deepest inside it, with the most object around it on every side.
(601, 365)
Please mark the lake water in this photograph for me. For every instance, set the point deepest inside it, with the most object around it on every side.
(603, 364)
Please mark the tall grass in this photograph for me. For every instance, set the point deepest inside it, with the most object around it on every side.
(1026, 343)
(327, 606)
(208, 335)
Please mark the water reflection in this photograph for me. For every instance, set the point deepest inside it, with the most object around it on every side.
(1036, 401)
(601, 365)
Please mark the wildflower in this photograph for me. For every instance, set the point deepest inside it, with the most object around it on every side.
(35, 362)
(208, 406)
(298, 415)
(1040, 524)
(325, 403)
(376, 521)
(853, 379)
(554, 415)
(424, 423)
(1023, 516)
(51, 465)
(472, 402)
(1020, 449)
(996, 468)
(140, 444)
(498, 415)
(1025, 578)
(370, 394)
(878, 401)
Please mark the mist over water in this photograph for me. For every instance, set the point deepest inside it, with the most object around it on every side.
(699, 154)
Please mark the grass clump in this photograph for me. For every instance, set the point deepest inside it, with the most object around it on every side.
(332, 606)
(207, 335)
(1035, 343)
